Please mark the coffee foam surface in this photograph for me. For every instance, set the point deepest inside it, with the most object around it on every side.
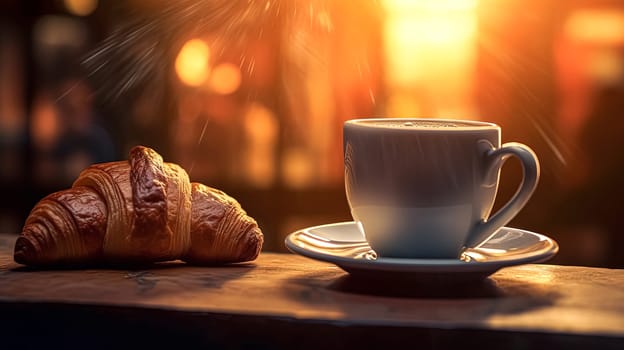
(420, 124)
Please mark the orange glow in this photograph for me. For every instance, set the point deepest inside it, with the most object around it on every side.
(605, 26)
(430, 51)
(261, 129)
(225, 78)
(45, 127)
(428, 5)
(297, 168)
(189, 108)
(192, 63)
(260, 124)
(588, 54)
(81, 7)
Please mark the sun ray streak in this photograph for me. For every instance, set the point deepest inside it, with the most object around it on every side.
(144, 45)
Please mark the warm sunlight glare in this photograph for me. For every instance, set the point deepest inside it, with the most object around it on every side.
(192, 64)
(430, 51)
(428, 5)
(225, 78)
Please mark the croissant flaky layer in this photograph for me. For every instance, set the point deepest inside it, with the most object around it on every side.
(138, 211)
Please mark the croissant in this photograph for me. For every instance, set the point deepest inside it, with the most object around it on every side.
(142, 210)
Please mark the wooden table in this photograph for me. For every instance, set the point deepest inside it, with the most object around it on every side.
(288, 301)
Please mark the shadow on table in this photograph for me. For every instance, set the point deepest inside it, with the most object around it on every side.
(474, 300)
(486, 288)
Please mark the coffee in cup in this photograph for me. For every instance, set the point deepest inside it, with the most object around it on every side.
(424, 188)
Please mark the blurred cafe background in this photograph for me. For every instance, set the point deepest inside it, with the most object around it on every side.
(250, 97)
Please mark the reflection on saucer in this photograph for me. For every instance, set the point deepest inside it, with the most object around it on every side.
(344, 245)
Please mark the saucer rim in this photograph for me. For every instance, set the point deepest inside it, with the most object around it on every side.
(422, 265)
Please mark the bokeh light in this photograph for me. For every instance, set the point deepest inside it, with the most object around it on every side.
(45, 127)
(192, 64)
(225, 78)
(596, 26)
(81, 7)
(259, 158)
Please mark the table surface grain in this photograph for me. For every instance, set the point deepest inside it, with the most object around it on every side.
(528, 299)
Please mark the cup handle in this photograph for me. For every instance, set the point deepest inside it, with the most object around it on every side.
(531, 171)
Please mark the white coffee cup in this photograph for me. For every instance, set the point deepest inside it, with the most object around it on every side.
(424, 188)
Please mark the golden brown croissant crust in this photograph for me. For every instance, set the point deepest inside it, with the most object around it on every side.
(214, 213)
(138, 211)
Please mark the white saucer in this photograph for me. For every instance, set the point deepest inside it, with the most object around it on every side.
(343, 244)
